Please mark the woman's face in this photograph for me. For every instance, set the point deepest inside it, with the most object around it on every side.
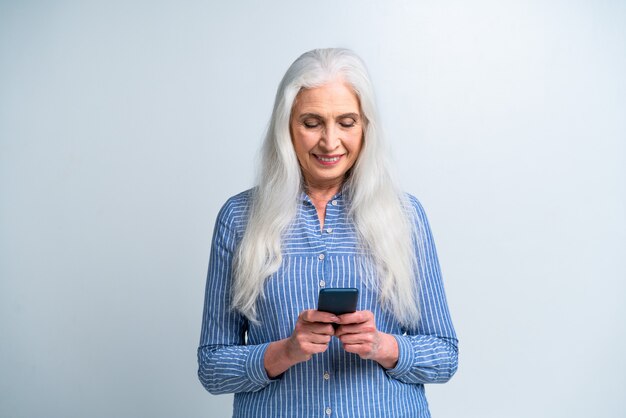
(327, 133)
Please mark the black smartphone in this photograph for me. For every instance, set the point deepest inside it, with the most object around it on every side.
(338, 300)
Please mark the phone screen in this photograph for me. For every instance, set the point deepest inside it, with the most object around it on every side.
(338, 300)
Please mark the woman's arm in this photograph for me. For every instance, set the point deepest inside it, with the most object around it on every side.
(425, 359)
(225, 363)
(429, 352)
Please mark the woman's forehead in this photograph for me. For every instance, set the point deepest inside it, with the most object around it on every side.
(334, 97)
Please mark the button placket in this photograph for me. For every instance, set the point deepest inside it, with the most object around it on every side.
(322, 282)
(327, 240)
(327, 237)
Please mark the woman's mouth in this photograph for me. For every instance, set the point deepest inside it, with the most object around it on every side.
(328, 159)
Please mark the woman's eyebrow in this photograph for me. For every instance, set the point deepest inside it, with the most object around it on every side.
(354, 116)
(309, 115)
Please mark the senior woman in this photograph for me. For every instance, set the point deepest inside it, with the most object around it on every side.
(324, 214)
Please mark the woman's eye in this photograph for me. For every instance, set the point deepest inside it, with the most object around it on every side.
(347, 123)
(311, 123)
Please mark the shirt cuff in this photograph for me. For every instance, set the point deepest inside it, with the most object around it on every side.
(255, 367)
(405, 357)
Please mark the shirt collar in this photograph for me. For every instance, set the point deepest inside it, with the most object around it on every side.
(304, 198)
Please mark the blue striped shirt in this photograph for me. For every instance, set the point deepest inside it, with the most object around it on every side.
(334, 383)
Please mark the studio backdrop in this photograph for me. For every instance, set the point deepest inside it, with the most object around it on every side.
(125, 125)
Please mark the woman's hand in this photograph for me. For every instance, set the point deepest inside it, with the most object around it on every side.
(358, 334)
(311, 335)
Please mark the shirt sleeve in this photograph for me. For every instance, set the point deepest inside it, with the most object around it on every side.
(225, 363)
(428, 353)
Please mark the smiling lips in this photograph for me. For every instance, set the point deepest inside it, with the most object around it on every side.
(328, 159)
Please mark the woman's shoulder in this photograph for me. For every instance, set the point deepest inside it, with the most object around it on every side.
(240, 199)
(414, 205)
(234, 213)
(417, 214)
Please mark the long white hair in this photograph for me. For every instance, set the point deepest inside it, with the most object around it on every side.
(379, 210)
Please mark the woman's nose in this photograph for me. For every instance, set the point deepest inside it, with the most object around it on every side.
(330, 139)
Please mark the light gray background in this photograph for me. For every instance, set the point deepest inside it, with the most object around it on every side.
(125, 125)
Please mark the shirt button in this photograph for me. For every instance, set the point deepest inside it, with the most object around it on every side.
(322, 283)
(334, 203)
(326, 375)
(321, 256)
(328, 411)
(329, 230)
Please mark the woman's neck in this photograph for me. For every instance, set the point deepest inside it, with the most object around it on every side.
(322, 194)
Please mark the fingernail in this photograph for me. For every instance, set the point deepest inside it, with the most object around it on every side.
(334, 318)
